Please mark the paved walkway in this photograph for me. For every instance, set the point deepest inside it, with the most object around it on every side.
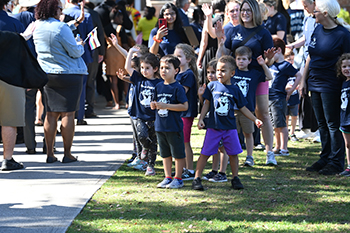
(47, 197)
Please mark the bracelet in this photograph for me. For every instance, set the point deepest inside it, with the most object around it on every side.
(292, 46)
(77, 22)
(156, 40)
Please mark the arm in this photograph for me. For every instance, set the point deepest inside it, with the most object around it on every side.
(296, 83)
(122, 76)
(222, 50)
(280, 34)
(202, 48)
(128, 60)
(204, 112)
(65, 37)
(115, 43)
(304, 77)
(269, 54)
(200, 93)
(163, 31)
(250, 115)
(297, 44)
(208, 12)
(82, 14)
(267, 72)
(172, 107)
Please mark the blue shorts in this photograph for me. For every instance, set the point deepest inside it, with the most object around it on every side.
(292, 110)
(345, 129)
(171, 144)
(229, 138)
(277, 109)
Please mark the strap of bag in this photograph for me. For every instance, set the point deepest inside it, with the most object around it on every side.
(250, 36)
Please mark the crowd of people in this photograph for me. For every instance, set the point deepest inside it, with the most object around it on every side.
(257, 63)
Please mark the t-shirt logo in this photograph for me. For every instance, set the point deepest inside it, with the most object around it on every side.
(146, 97)
(238, 37)
(344, 101)
(163, 112)
(312, 43)
(222, 106)
(244, 87)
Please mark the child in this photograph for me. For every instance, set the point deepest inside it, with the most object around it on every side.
(220, 98)
(247, 81)
(187, 77)
(281, 70)
(343, 68)
(170, 101)
(143, 93)
(293, 102)
(214, 175)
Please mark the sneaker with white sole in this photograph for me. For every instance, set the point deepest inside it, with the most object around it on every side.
(136, 161)
(249, 161)
(164, 183)
(282, 153)
(270, 158)
(187, 175)
(219, 178)
(142, 166)
(293, 138)
(175, 184)
(346, 172)
(150, 171)
(259, 147)
(210, 175)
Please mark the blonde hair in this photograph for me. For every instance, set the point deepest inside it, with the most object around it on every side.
(332, 7)
(264, 11)
(189, 54)
(227, 20)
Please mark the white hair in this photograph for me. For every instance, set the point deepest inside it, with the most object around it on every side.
(332, 7)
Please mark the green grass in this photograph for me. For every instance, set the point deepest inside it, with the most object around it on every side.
(285, 198)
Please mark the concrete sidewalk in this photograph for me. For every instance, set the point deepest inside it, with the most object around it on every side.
(47, 197)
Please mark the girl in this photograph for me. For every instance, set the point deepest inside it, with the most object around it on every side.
(143, 93)
(146, 24)
(343, 69)
(187, 77)
(213, 175)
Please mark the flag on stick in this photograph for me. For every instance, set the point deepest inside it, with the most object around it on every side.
(93, 40)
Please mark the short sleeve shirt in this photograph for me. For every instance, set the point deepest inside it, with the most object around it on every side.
(345, 106)
(277, 23)
(188, 79)
(167, 46)
(294, 98)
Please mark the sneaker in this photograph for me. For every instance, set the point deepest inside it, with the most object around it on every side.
(175, 184)
(142, 166)
(316, 139)
(219, 178)
(150, 171)
(236, 183)
(144, 154)
(282, 153)
(249, 161)
(270, 158)
(294, 138)
(197, 184)
(187, 175)
(305, 133)
(164, 183)
(328, 170)
(133, 157)
(345, 173)
(259, 147)
(316, 167)
(8, 165)
(136, 161)
(209, 175)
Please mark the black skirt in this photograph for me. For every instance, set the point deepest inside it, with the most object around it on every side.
(62, 92)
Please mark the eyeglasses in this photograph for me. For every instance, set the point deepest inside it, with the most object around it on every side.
(169, 14)
(247, 11)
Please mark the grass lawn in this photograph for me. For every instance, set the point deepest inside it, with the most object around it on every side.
(285, 198)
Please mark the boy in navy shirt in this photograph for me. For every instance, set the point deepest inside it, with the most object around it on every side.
(220, 98)
(170, 101)
(247, 81)
(281, 71)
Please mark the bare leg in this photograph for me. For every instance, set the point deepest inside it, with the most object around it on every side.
(293, 124)
(189, 156)
(223, 160)
(234, 165)
(262, 112)
(216, 159)
(9, 135)
(346, 137)
(114, 88)
(202, 161)
(67, 131)
(50, 129)
(39, 108)
(167, 163)
(179, 165)
(278, 138)
(284, 138)
(249, 141)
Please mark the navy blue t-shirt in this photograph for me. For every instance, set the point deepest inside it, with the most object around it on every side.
(280, 75)
(228, 26)
(296, 20)
(294, 98)
(188, 79)
(258, 43)
(143, 95)
(223, 99)
(166, 120)
(10, 24)
(277, 23)
(167, 46)
(345, 106)
(248, 81)
(325, 48)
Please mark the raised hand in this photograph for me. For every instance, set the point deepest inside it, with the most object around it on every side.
(207, 10)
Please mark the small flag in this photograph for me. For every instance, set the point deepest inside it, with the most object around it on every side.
(93, 40)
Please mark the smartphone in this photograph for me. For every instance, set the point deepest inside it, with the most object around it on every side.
(162, 22)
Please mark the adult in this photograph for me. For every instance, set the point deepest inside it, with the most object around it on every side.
(59, 55)
(12, 101)
(260, 42)
(231, 15)
(198, 21)
(296, 14)
(147, 23)
(328, 42)
(182, 6)
(276, 23)
(163, 39)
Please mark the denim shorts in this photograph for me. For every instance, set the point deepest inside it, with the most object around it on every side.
(277, 109)
(171, 144)
(292, 110)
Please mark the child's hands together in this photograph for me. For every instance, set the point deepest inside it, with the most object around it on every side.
(158, 105)
(259, 123)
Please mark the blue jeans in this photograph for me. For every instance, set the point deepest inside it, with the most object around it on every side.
(81, 111)
(327, 111)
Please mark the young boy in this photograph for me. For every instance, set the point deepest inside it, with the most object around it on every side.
(170, 101)
(293, 102)
(247, 81)
(281, 70)
(220, 98)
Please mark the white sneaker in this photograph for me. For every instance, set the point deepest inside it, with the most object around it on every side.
(270, 158)
(302, 134)
(150, 171)
(316, 137)
(175, 184)
(136, 161)
(141, 166)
